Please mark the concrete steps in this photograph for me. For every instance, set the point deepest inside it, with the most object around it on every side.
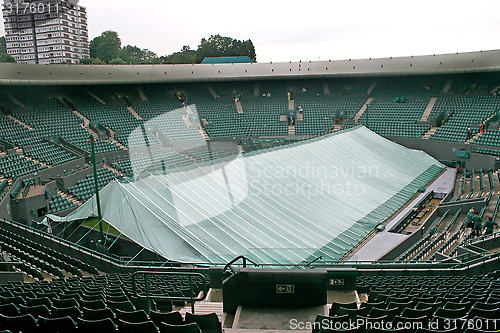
(86, 123)
(69, 197)
(337, 127)
(291, 129)
(116, 142)
(94, 96)
(300, 117)
(256, 90)
(291, 104)
(474, 138)
(20, 123)
(205, 307)
(212, 92)
(113, 170)
(428, 109)
(428, 134)
(142, 95)
(134, 113)
(447, 86)
(204, 134)
(239, 107)
(363, 109)
(326, 89)
(370, 89)
(15, 100)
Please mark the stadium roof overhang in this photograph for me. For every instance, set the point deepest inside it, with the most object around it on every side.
(20, 74)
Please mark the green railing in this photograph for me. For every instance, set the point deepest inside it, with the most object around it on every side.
(149, 296)
(120, 264)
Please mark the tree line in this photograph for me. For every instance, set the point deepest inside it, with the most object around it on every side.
(4, 57)
(106, 49)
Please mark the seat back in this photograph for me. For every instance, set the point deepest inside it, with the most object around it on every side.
(65, 303)
(72, 311)
(105, 325)
(206, 322)
(98, 314)
(336, 306)
(137, 316)
(25, 323)
(390, 313)
(97, 304)
(171, 318)
(186, 328)
(39, 301)
(35, 310)
(9, 309)
(58, 325)
(139, 327)
(124, 306)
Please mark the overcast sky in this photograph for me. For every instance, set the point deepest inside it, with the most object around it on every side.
(303, 30)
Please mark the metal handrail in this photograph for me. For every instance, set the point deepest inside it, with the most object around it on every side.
(313, 261)
(191, 299)
(245, 259)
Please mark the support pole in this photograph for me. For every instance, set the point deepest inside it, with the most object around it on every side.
(96, 183)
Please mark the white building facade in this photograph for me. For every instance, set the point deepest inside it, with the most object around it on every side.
(45, 31)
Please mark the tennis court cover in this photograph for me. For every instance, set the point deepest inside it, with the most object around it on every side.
(284, 205)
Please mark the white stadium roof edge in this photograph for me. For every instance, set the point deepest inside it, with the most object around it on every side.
(470, 62)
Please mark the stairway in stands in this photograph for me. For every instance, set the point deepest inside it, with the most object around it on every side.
(113, 139)
(430, 132)
(337, 127)
(134, 113)
(447, 86)
(370, 89)
(69, 197)
(86, 123)
(474, 138)
(428, 109)
(239, 107)
(363, 109)
(20, 122)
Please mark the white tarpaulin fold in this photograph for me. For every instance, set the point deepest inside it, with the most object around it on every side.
(281, 205)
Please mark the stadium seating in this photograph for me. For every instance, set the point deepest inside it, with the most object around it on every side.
(85, 188)
(58, 203)
(14, 166)
(47, 153)
(65, 304)
(454, 298)
(463, 111)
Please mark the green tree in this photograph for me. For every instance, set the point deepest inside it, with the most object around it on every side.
(4, 57)
(149, 57)
(132, 54)
(186, 57)
(3, 46)
(96, 61)
(251, 50)
(117, 61)
(106, 47)
(219, 46)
